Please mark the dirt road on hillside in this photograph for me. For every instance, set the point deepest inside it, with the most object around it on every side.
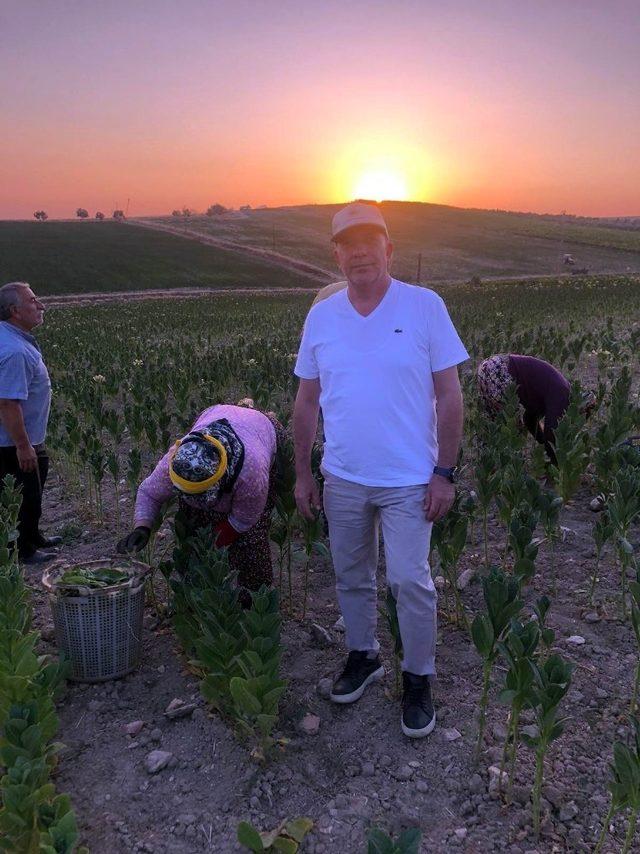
(311, 271)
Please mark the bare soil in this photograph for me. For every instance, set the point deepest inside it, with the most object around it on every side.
(359, 769)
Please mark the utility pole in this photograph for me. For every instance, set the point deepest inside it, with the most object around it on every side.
(274, 238)
(419, 268)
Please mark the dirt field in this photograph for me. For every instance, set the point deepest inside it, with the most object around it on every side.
(358, 769)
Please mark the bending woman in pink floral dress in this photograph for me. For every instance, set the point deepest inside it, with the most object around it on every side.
(223, 471)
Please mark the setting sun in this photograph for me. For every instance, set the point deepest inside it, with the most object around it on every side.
(384, 168)
(380, 185)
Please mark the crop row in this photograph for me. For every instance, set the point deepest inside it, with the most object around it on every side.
(128, 379)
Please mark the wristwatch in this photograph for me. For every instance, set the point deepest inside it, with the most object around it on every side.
(449, 473)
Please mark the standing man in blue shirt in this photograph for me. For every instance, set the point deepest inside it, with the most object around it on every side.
(25, 398)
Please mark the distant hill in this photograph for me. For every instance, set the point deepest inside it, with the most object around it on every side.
(289, 247)
(455, 243)
(628, 223)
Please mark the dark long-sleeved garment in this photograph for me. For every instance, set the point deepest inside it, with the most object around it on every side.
(544, 395)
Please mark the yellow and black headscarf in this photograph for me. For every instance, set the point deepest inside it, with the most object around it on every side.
(207, 460)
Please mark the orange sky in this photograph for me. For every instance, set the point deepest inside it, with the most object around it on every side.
(525, 106)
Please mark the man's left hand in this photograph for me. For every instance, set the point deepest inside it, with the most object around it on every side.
(439, 498)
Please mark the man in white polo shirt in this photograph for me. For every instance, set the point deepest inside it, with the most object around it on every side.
(380, 357)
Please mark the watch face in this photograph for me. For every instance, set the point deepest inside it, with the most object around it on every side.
(449, 473)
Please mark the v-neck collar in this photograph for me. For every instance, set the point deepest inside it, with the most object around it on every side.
(365, 317)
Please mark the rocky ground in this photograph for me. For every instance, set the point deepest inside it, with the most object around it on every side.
(142, 781)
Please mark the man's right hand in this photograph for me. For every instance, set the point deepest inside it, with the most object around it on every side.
(27, 457)
(135, 541)
(307, 495)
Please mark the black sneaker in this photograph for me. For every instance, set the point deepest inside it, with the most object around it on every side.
(359, 671)
(43, 542)
(418, 715)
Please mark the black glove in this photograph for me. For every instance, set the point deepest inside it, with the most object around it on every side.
(135, 541)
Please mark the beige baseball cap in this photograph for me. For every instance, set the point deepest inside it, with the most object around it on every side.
(357, 213)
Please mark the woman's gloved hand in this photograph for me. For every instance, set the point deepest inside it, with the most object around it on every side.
(135, 541)
(226, 534)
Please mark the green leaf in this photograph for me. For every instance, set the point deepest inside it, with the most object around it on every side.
(249, 837)
(378, 842)
(524, 568)
(287, 846)
(265, 723)
(482, 635)
(548, 636)
(634, 587)
(409, 841)
(298, 828)
(270, 699)
(243, 698)
(268, 837)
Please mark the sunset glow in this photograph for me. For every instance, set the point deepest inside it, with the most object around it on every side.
(381, 185)
(386, 167)
(496, 105)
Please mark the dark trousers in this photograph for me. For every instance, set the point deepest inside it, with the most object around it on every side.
(543, 437)
(32, 484)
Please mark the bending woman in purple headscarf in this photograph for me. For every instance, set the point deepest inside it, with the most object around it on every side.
(542, 390)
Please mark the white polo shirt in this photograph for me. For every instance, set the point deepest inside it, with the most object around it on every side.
(376, 385)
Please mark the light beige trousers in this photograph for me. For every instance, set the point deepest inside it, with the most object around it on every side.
(354, 513)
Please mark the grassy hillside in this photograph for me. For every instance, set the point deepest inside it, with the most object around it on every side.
(455, 243)
(78, 257)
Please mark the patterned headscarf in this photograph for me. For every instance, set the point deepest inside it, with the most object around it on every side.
(588, 402)
(493, 380)
(197, 459)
